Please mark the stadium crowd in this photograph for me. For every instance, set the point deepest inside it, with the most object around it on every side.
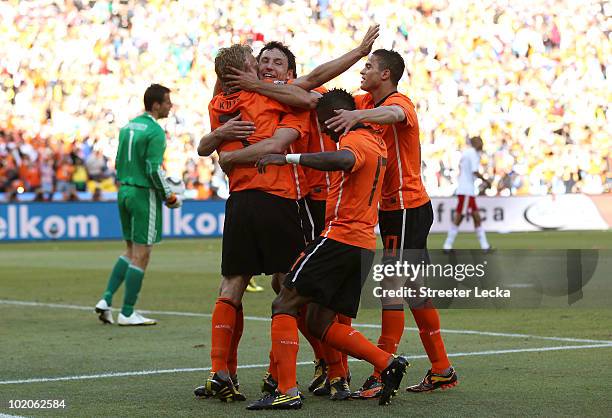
(531, 77)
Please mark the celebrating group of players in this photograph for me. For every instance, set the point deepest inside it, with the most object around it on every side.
(311, 173)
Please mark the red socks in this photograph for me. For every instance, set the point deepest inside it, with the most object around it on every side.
(349, 340)
(428, 322)
(285, 346)
(232, 359)
(223, 323)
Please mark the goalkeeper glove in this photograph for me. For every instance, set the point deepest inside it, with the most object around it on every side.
(173, 201)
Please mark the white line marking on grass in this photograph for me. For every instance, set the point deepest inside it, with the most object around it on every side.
(124, 374)
(500, 334)
(301, 363)
(356, 325)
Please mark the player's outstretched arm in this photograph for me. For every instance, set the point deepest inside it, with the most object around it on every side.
(332, 69)
(285, 93)
(383, 115)
(233, 130)
(298, 93)
(342, 160)
(276, 144)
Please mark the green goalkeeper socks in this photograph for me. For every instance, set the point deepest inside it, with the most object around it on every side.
(133, 283)
(116, 278)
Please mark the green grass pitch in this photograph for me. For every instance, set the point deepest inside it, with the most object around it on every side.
(501, 373)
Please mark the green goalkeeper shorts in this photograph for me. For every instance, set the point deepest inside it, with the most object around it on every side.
(140, 210)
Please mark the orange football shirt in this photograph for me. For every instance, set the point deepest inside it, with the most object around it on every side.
(402, 186)
(352, 203)
(267, 115)
(298, 147)
(318, 181)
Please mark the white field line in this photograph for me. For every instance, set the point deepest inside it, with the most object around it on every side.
(356, 325)
(302, 363)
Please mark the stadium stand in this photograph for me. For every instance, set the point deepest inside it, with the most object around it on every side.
(532, 78)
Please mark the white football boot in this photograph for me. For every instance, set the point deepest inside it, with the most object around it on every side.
(104, 312)
(134, 319)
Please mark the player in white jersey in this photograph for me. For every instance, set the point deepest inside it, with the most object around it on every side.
(469, 171)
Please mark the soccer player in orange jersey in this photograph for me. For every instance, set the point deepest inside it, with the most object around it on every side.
(254, 242)
(406, 213)
(277, 64)
(331, 270)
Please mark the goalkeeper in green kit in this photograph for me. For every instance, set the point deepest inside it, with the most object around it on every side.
(142, 189)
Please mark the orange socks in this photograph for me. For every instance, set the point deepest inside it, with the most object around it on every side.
(349, 340)
(314, 341)
(345, 320)
(391, 333)
(392, 330)
(334, 360)
(428, 322)
(285, 346)
(223, 322)
(232, 359)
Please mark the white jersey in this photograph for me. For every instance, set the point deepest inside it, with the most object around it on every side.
(469, 164)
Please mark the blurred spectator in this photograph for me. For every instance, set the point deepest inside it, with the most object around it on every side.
(96, 165)
(204, 191)
(29, 173)
(532, 78)
(39, 195)
(63, 175)
(79, 175)
(97, 195)
(8, 173)
(46, 177)
(70, 195)
(11, 194)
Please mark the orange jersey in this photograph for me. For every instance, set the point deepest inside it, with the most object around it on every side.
(298, 147)
(64, 172)
(402, 185)
(352, 203)
(318, 181)
(267, 115)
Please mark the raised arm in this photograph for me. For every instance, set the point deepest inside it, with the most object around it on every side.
(383, 115)
(342, 160)
(332, 69)
(290, 94)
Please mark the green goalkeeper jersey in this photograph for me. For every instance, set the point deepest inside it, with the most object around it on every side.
(140, 154)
